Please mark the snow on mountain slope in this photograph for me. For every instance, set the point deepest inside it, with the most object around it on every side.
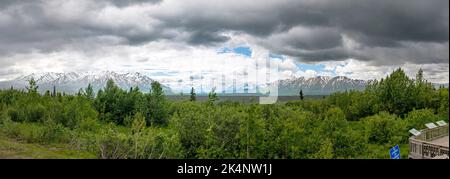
(320, 85)
(72, 82)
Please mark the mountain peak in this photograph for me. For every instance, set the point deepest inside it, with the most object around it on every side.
(71, 82)
(323, 77)
(319, 85)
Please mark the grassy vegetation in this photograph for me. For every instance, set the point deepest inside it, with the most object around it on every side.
(14, 149)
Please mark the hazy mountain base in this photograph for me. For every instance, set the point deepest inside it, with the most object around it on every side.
(247, 99)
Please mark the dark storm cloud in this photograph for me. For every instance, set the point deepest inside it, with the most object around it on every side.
(385, 31)
(124, 3)
(393, 26)
(309, 38)
(205, 38)
(8, 3)
(374, 23)
(337, 54)
(26, 25)
(382, 23)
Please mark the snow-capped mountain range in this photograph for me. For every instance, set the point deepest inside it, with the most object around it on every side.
(320, 85)
(71, 82)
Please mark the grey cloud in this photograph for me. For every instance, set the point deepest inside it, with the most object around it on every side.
(8, 3)
(391, 21)
(410, 52)
(415, 53)
(204, 38)
(320, 55)
(123, 3)
(374, 23)
(387, 31)
(27, 27)
(308, 38)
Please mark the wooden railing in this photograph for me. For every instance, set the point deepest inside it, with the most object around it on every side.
(432, 134)
(421, 146)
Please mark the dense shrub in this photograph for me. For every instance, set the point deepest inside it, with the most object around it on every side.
(418, 118)
(50, 132)
(383, 128)
(15, 115)
(35, 113)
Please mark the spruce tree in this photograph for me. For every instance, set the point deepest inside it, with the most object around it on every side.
(54, 91)
(301, 95)
(89, 93)
(32, 88)
(157, 105)
(193, 95)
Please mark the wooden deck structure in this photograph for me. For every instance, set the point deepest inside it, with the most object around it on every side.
(429, 144)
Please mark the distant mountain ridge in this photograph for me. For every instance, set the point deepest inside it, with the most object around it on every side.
(320, 85)
(324, 85)
(71, 82)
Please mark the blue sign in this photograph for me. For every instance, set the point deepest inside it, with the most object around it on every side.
(395, 152)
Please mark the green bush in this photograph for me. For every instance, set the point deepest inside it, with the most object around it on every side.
(35, 113)
(15, 115)
(49, 132)
(190, 120)
(56, 133)
(418, 118)
(112, 144)
(383, 128)
(155, 143)
(89, 124)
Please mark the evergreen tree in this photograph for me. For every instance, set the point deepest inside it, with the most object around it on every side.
(396, 92)
(193, 95)
(158, 106)
(54, 91)
(47, 93)
(212, 96)
(109, 103)
(419, 77)
(32, 88)
(89, 93)
(157, 91)
(423, 92)
(301, 95)
(81, 92)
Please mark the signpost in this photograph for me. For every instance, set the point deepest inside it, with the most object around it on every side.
(395, 152)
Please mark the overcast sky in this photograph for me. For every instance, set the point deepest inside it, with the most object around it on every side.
(170, 40)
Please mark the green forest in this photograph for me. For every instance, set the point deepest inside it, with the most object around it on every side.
(131, 124)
